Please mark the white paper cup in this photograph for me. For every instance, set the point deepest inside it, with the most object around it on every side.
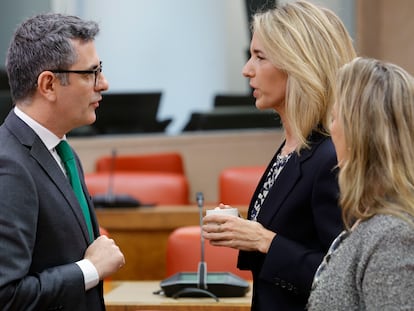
(223, 211)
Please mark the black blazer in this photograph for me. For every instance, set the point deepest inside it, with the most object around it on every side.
(42, 229)
(302, 209)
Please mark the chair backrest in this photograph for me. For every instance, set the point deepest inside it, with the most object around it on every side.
(171, 162)
(237, 184)
(184, 254)
(233, 100)
(147, 187)
(129, 112)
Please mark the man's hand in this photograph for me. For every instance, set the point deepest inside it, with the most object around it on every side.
(105, 255)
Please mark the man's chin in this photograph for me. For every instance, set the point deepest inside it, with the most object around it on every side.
(91, 119)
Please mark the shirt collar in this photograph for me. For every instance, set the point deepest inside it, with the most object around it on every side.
(47, 137)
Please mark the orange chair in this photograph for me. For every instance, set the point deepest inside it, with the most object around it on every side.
(237, 184)
(148, 188)
(171, 162)
(184, 254)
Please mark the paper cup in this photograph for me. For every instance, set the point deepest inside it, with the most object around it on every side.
(223, 211)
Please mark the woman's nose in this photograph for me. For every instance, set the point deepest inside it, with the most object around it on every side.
(247, 70)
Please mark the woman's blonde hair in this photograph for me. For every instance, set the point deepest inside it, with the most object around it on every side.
(375, 106)
(310, 44)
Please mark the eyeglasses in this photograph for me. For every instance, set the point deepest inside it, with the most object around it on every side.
(96, 72)
(334, 246)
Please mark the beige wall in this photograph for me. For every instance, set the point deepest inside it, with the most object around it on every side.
(205, 154)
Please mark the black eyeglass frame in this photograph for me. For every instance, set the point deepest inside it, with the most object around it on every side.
(96, 72)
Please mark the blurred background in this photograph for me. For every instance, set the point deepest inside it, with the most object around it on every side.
(190, 51)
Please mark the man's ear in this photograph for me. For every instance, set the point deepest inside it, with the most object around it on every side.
(46, 84)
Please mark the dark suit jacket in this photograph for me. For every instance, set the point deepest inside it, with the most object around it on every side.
(302, 209)
(42, 229)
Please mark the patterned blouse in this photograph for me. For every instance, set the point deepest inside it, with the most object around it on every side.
(273, 173)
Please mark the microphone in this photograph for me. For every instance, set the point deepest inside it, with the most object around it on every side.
(110, 199)
(194, 284)
(202, 265)
(201, 289)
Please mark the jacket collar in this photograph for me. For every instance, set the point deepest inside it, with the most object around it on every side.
(287, 178)
(38, 151)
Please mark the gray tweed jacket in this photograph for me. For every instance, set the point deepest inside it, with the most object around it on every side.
(372, 269)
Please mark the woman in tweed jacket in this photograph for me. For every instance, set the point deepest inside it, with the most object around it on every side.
(371, 265)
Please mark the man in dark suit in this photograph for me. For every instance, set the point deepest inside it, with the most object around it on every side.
(51, 254)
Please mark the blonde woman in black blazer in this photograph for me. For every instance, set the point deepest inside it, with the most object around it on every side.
(296, 50)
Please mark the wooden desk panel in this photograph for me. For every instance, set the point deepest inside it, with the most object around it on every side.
(131, 296)
(142, 235)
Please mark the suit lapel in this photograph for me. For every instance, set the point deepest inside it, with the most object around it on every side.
(285, 182)
(283, 185)
(41, 154)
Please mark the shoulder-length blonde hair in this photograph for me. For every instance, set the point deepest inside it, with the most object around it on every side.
(375, 106)
(310, 44)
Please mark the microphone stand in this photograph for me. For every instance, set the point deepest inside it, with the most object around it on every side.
(110, 193)
(202, 265)
(109, 198)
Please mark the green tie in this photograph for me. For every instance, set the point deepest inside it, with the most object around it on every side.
(66, 154)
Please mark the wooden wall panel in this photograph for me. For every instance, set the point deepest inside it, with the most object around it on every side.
(385, 30)
(205, 154)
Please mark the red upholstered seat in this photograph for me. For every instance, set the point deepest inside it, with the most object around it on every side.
(147, 187)
(184, 254)
(237, 184)
(170, 162)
